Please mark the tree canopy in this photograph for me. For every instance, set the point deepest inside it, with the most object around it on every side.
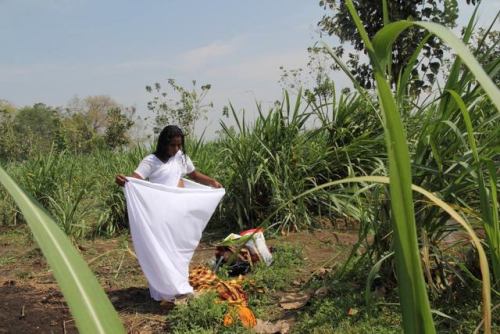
(337, 22)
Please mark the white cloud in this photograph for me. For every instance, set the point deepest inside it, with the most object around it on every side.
(200, 56)
(264, 67)
(143, 65)
(20, 72)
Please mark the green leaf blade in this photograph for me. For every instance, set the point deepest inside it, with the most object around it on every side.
(89, 305)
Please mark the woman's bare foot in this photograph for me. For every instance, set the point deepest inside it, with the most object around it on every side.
(184, 298)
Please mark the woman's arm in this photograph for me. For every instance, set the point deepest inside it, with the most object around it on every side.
(204, 179)
(121, 179)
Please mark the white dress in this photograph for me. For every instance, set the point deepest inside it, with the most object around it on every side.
(166, 222)
(167, 173)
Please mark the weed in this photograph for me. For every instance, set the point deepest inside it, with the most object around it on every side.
(286, 262)
(4, 260)
(204, 314)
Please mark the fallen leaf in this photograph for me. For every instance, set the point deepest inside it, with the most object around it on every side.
(352, 311)
(294, 300)
(267, 327)
(321, 292)
(246, 316)
(228, 320)
(321, 272)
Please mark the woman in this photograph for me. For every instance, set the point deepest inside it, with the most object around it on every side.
(166, 222)
(169, 163)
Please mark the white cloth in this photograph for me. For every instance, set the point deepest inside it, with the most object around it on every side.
(166, 224)
(167, 173)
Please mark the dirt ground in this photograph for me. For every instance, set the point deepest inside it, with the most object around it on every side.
(30, 300)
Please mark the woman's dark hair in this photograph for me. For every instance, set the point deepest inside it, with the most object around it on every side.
(166, 135)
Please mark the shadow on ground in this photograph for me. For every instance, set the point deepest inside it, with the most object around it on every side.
(136, 300)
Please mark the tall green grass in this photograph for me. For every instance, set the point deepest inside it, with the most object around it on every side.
(77, 190)
(415, 304)
(270, 161)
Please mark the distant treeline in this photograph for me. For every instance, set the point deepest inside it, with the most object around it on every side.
(95, 122)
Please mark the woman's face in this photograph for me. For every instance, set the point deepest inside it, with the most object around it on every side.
(174, 146)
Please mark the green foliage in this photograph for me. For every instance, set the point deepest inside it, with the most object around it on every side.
(343, 308)
(9, 147)
(486, 45)
(95, 123)
(119, 124)
(6, 108)
(270, 162)
(264, 281)
(337, 21)
(184, 109)
(203, 314)
(82, 203)
(88, 303)
(79, 135)
(330, 315)
(458, 310)
(414, 302)
(28, 131)
(287, 259)
(448, 146)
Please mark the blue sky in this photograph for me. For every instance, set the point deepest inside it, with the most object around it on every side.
(53, 50)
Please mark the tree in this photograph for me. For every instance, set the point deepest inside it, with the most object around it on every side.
(319, 71)
(340, 24)
(184, 110)
(487, 48)
(95, 108)
(29, 130)
(118, 126)
(79, 135)
(38, 128)
(8, 140)
(6, 108)
(96, 122)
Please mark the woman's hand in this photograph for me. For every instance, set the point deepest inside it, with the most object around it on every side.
(203, 179)
(120, 180)
(213, 183)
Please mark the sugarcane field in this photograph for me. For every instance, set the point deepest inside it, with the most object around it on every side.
(266, 167)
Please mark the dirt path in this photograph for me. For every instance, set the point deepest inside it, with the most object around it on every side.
(31, 302)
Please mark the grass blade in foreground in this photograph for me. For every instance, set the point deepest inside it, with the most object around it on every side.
(89, 305)
(380, 51)
(385, 38)
(415, 306)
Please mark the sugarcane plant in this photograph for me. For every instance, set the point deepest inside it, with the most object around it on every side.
(415, 306)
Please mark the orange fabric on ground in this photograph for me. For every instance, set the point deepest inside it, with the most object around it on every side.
(204, 279)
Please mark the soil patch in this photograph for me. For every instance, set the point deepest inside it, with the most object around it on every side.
(27, 309)
(31, 302)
